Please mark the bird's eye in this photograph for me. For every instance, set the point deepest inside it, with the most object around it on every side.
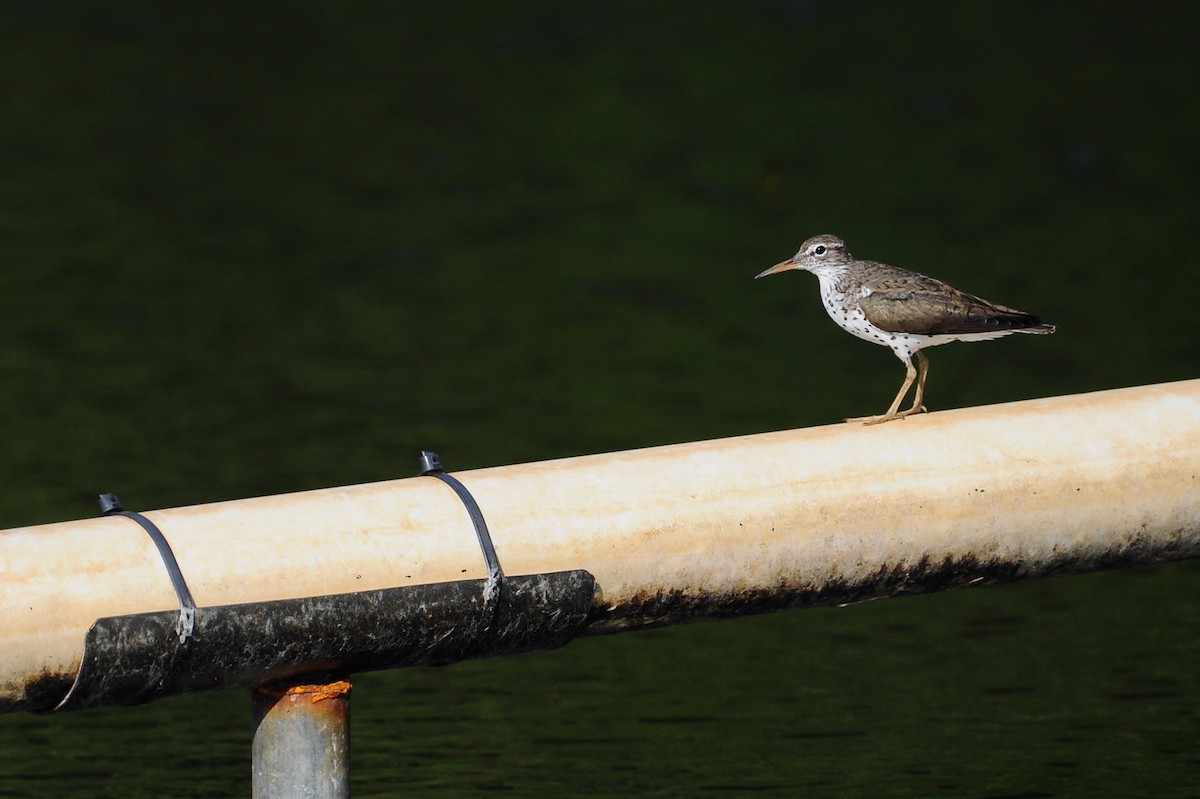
(819, 249)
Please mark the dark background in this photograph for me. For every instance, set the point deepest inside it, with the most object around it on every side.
(259, 249)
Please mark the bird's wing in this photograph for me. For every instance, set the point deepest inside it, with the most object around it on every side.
(927, 306)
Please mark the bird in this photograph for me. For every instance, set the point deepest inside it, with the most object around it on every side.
(902, 310)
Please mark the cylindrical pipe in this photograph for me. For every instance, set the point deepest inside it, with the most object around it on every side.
(823, 514)
(302, 741)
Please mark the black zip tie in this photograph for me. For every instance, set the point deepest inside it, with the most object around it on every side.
(431, 465)
(110, 505)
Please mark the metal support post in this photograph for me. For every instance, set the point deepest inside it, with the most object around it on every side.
(302, 741)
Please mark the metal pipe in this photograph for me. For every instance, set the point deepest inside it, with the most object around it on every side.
(822, 515)
(302, 741)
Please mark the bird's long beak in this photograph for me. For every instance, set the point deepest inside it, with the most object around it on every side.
(777, 268)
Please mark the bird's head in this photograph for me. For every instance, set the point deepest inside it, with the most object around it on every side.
(815, 255)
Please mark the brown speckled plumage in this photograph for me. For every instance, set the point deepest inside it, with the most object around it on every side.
(902, 310)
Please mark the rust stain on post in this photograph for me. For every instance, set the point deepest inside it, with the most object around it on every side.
(315, 692)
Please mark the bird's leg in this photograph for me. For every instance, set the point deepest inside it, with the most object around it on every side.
(922, 373)
(910, 374)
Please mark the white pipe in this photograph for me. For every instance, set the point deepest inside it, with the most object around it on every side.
(823, 514)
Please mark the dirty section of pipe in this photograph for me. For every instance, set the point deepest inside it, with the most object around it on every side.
(130, 660)
(302, 741)
(715, 528)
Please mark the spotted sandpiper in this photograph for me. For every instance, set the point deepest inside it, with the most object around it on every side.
(902, 310)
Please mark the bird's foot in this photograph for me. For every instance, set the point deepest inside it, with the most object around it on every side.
(880, 419)
(887, 417)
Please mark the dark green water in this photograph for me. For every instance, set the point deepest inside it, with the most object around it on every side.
(256, 254)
